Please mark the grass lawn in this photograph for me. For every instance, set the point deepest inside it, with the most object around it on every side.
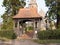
(4, 39)
(47, 41)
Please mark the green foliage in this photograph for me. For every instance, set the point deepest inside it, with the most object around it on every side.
(8, 34)
(49, 34)
(29, 28)
(7, 23)
(54, 10)
(11, 7)
(43, 34)
(47, 42)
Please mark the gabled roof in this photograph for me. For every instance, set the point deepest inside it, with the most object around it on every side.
(27, 13)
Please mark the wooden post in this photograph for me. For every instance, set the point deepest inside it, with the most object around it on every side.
(39, 24)
(14, 25)
(35, 31)
(18, 32)
(18, 25)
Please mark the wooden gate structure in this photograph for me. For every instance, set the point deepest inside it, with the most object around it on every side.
(27, 14)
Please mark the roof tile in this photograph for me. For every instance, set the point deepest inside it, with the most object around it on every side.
(27, 13)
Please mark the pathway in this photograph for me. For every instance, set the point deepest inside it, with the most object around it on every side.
(23, 42)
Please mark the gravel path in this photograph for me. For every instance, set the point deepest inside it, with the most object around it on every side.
(24, 42)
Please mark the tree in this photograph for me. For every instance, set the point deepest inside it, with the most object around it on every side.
(54, 10)
(12, 7)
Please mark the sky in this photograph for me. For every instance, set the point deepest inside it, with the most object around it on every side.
(41, 5)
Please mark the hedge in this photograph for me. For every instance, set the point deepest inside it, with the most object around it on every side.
(49, 34)
(8, 34)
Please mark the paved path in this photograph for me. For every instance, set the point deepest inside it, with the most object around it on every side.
(23, 42)
(19, 42)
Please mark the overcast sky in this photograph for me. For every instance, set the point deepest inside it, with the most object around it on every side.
(41, 5)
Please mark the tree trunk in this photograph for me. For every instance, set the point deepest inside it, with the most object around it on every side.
(58, 21)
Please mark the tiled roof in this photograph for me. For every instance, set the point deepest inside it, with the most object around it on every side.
(27, 13)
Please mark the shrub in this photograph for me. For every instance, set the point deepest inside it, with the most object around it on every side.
(49, 34)
(8, 34)
(29, 28)
(43, 34)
